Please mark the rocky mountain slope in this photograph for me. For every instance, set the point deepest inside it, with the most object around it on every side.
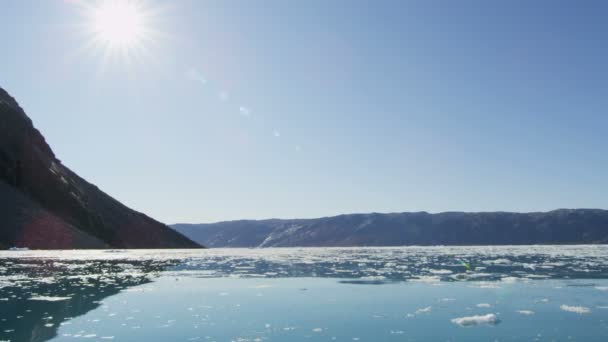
(565, 226)
(43, 204)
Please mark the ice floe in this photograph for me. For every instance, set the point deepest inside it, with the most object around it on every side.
(576, 309)
(490, 319)
(525, 312)
(49, 298)
(424, 310)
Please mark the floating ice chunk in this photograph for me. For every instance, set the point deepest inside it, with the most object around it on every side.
(476, 320)
(317, 330)
(424, 310)
(602, 288)
(576, 309)
(510, 279)
(441, 271)
(49, 298)
(427, 279)
(447, 299)
(501, 261)
(486, 285)
(525, 312)
(483, 305)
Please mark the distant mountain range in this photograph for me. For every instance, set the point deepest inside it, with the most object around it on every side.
(43, 204)
(563, 226)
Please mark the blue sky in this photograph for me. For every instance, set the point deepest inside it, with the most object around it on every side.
(257, 109)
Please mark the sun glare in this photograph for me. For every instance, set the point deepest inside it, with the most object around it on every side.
(119, 23)
(123, 34)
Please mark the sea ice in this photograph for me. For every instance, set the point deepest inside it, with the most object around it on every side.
(424, 310)
(476, 320)
(525, 312)
(49, 298)
(576, 309)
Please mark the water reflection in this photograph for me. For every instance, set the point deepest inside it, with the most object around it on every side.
(37, 296)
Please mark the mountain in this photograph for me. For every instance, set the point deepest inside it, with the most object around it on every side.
(44, 205)
(564, 226)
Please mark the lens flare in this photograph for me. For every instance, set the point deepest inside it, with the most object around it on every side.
(119, 23)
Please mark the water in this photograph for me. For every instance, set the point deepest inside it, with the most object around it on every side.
(528, 293)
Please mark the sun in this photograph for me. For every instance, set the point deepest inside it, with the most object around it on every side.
(123, 35)
(119, 23)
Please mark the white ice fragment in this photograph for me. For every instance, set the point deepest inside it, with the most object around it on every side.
(427, 279)
(442, 271)
(483, 305)
(576, 309)
(447, 299)
(424, 310)
(49, 299)
(509, 279)
(476, 320)
(525, 312)
(500, 261)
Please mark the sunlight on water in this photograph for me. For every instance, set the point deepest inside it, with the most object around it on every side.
(529, 293)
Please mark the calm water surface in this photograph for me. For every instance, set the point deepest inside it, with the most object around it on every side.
(527, 293)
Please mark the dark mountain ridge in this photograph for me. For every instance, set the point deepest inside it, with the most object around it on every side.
(563, 226)
(45, 205)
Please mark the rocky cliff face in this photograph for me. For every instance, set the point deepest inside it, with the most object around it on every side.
(43, 204)
(565, 226)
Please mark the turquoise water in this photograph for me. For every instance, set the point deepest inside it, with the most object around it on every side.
(360, 294)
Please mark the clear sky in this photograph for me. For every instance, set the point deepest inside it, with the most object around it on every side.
(255, 109)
